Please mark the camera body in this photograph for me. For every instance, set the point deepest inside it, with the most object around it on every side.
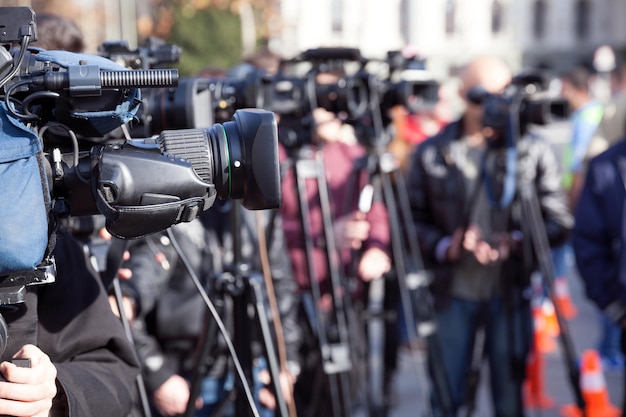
(525, 101)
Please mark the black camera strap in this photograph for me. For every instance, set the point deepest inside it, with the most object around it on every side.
(510, 178)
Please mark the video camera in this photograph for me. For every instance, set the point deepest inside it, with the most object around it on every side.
(65, 150)
(194, 103)
(525, 101)
(357, 95)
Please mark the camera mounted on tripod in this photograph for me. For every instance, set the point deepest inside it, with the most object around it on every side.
(355, 93)
(195, 102)
(526, 99)
(154, 54)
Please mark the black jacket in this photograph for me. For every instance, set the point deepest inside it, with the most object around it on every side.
(171, 311)
(71, 321)
(437, 196)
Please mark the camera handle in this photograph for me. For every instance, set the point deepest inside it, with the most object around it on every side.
(411, 277)
(246, 294)
(307, 164)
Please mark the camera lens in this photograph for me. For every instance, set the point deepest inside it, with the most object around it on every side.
(239, 157)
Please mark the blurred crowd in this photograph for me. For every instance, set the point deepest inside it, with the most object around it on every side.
(324, 252)
(296, 287)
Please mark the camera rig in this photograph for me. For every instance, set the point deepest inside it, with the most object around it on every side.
(77, 107)
(359, 95)
(526, 99)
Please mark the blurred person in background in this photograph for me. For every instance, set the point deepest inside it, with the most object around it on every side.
(586, 114)
(477, 252)
(599, 235)
(56, 32)
(411, 129)
(168, 314)
(365, 234)
(612, 127)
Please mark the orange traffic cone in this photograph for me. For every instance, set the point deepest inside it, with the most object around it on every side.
(543, 340)
(549, 313)
(594, 390)
(562, 298)
(534, 394)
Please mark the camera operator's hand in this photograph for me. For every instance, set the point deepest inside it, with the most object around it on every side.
(351, 230)
(373, 264)
(287, 381)
(472, 242)
(328, 127)
(128, 304)
(122, 273)
(171, 398)
(28, 392)
(504, 245)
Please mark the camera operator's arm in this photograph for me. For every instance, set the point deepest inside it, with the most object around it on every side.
(95, 364)
(552, 198)
(433, 241)
(152, 260)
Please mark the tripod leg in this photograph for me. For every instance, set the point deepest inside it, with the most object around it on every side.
(141, 387)
(205, 343)
(414, 296)
(256, 297)
(376, 349)
(335, 355)
(531, 212)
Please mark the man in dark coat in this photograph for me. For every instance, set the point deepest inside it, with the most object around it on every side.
(481, 255)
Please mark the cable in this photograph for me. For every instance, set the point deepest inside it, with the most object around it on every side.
(20, 59)
(76, 153)
(218, 321)
(271, 295)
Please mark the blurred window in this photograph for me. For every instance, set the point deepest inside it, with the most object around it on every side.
(450, 16)
(539, 18)
(497, 16)
(583, 18)
(337, 16)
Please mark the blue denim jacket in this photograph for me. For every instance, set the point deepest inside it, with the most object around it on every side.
(23, 197)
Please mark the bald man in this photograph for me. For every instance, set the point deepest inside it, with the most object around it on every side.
(478, 253)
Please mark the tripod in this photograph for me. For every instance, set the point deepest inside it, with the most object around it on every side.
(533, 226)
(411, 276)
(532, 214)
(329, 328)
(412, 281)
(237, 286)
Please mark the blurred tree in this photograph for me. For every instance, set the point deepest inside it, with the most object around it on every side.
(210, 31)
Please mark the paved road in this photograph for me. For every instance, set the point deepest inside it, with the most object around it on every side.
(584, 333)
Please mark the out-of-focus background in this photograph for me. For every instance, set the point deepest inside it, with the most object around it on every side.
(551, 34)
(547, 34)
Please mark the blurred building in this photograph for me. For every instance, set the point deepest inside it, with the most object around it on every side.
(527, 33)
